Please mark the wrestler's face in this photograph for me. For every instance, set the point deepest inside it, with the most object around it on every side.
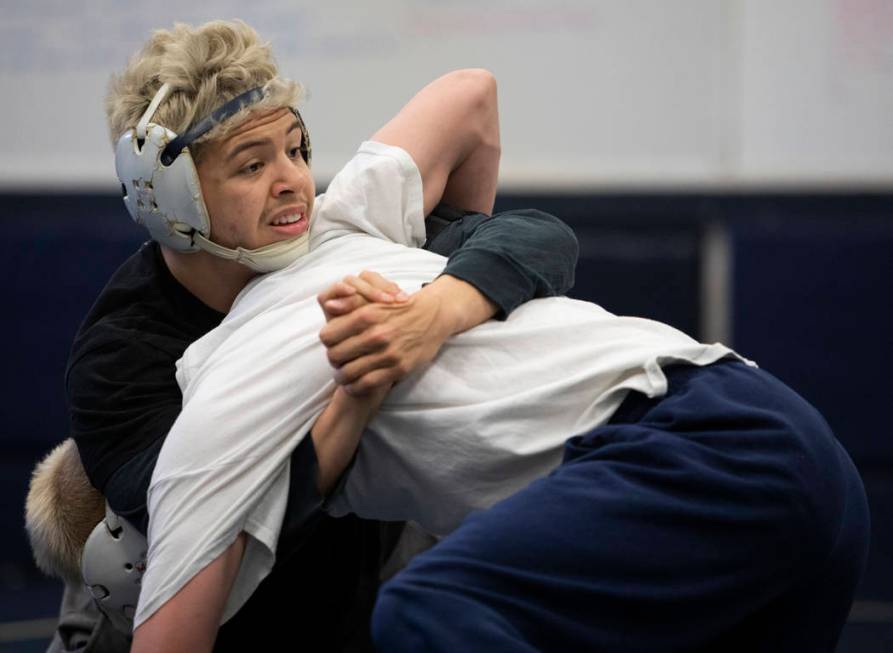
(257, 188)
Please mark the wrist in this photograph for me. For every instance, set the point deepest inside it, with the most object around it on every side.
(337, 431)
(461, 306)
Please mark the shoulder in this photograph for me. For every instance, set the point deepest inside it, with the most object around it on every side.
(114, 357)
(142, 311)
(375, 167)
(378, 192)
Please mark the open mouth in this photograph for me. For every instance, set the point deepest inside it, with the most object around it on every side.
(291, 224)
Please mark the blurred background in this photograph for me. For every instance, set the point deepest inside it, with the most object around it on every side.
(727, 166)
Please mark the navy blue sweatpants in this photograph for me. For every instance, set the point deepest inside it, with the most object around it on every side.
(723, 516)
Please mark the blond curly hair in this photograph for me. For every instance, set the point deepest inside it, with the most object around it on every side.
(205, 66)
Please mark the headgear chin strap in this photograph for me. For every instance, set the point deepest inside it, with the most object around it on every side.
(162, 191)
(268, 258)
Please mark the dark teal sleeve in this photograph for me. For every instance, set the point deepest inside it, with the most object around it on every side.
(511, 257)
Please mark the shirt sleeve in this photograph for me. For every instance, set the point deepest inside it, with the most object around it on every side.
(227, 464)
(378, 192)
(511, 257)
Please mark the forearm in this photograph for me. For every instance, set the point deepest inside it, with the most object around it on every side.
(337, 433)
(461, 306)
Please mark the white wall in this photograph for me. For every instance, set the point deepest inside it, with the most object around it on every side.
(593, 93)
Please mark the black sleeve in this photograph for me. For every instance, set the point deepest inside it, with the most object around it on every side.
(511, 257)
(122, 398)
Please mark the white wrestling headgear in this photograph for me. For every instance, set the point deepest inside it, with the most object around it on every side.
(162, 192)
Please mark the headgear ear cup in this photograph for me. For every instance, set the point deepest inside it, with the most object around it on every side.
(167, 200)
(162, 191)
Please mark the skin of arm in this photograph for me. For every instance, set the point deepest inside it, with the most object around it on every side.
(337, 430)
(451, 130)
(189, 621)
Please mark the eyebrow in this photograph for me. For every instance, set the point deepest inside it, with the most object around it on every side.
(247, 145)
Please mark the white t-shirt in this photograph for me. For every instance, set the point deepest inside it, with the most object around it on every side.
(487, 417)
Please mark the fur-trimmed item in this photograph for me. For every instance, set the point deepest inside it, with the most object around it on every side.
(61, 511)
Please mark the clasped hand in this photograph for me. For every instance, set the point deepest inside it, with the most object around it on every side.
(375, 334)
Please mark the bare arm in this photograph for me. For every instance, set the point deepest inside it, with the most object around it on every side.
(451, 130)
(337, 430)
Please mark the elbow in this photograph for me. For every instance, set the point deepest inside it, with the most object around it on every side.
(572, 243)
(570, 247)
(560, 240)
(476, 87)
(560, 235)
(478, 84)
(571, 250)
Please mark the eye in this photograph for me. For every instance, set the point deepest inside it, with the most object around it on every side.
(294, 152)
(251, 168)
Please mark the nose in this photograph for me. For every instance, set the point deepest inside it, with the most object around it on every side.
(291, 176)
